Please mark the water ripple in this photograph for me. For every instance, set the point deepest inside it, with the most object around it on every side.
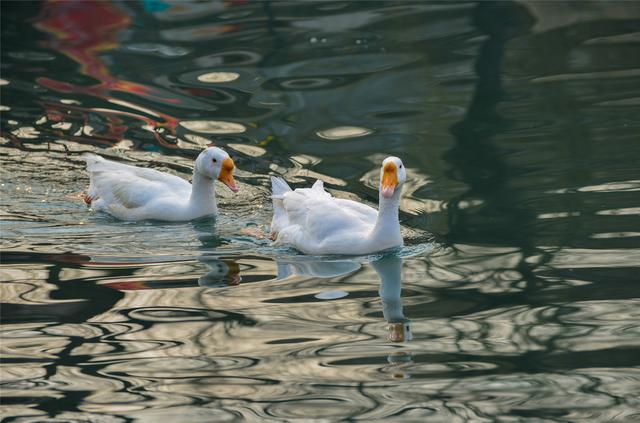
(511, 300)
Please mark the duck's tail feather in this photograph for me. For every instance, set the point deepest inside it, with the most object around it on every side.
(91, 194)
(278, 188)
(92, 160)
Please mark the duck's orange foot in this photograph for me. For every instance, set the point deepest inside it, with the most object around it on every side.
(253, 232)
(86, 198)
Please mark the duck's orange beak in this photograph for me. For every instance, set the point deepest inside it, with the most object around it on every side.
(389, 179)
(226, 174)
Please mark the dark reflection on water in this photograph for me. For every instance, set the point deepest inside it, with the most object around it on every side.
(515, 297)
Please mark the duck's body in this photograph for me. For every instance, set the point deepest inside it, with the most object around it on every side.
(314, 222)
(134, 193)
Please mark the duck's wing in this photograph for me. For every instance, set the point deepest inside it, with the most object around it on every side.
(316, 198)
(296, 199)
(297, 204)
(125, 189)
(364, 211)
(97, 164)
(130, 187)
(316, 215)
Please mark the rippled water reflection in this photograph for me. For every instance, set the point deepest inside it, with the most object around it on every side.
(515, 297)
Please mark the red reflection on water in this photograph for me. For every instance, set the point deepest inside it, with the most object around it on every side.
(82, 30)
(115, 127)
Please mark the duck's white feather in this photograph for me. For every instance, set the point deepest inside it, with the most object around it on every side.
(367, 212)
(98, 164)
(315, 222)
(133, 193)
(136, 193)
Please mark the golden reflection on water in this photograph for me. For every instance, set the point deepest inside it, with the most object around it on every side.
(341, 132)
(270, 338)
(218, 77)
(213, 127)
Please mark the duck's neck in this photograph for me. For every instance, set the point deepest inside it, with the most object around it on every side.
(388, 223)
(203, 196)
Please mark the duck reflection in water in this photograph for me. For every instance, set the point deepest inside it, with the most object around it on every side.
(223, 273)
(389, 270)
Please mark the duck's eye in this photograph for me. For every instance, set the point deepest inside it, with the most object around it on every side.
(400, 166)
(215, 160)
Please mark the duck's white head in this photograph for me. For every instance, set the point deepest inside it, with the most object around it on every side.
(215, 163)
(392, 176)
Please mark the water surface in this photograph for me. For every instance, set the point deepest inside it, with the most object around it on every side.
(514, 299)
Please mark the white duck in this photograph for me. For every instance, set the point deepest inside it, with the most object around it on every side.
(134, 193)
(314, 222)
